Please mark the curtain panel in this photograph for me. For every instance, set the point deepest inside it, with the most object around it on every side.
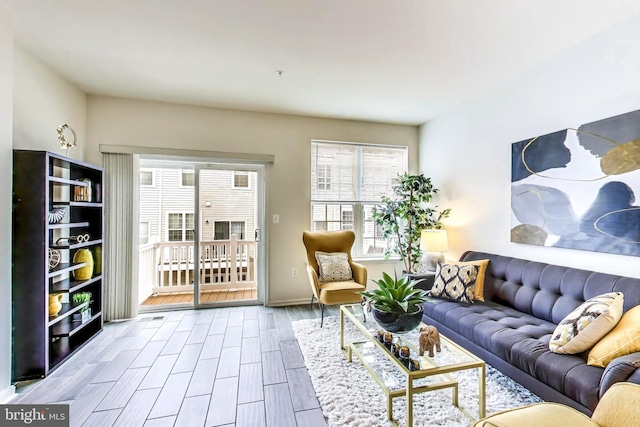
(121, 187)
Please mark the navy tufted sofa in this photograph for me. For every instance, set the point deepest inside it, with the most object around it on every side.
(524, 301)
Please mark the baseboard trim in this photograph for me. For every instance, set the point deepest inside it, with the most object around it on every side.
(285, 302)
(7, 394)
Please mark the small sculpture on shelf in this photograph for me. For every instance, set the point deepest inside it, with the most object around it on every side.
(55, 215)
(429, 338)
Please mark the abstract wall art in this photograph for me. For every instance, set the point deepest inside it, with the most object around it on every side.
(577, 188)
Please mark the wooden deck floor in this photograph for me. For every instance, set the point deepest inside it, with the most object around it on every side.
(250, 294)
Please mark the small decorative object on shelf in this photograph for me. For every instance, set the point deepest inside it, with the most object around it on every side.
(80, 238)
(82, 193)
(388, 339)
(429, 337)
(54, 258)
(86, 272)
(414, 365)
(55, 304)
(85, 312)
(380, 335)
(55, 215)
(63, 141)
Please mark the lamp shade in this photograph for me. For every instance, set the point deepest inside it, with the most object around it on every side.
(434, 241)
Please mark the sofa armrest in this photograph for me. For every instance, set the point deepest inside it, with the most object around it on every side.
(623, 368)
(359, 273)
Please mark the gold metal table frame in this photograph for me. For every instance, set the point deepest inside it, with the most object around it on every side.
(429, 367)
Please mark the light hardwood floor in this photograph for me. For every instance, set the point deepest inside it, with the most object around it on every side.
(250, 294)
(215, 367)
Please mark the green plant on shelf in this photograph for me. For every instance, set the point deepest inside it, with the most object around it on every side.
(82, 298)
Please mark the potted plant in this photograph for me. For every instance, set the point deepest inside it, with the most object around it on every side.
(84, 314)
(396, 305)
(403, 215)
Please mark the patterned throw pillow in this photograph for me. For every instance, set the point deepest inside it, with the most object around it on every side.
(334, 267)
(455, 282)
(583, 327)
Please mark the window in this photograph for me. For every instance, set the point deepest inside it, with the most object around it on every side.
(180, 227)
(324, 177)
(240, 179)
(146, 178)
(144, 233)
(222, 230)
(188, 178)
(347, 181)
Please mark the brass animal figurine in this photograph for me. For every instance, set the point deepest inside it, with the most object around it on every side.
(429, 338)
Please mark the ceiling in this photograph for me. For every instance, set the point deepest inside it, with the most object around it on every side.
(400, 61)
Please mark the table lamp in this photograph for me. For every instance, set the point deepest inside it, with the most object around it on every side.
(433, 243)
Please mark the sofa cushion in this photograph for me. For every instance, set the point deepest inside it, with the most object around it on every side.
(585, 325)
(478, 286)
(455, 282)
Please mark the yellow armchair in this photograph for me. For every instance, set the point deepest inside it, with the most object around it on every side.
(617, 408)
(338, 292)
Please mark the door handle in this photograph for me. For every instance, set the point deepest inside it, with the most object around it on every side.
(257, 235)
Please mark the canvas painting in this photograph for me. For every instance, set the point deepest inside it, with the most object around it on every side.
(578, 188)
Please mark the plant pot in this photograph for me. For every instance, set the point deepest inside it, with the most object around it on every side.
(399, 323)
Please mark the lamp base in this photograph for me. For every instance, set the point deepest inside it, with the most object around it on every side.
(430, 261)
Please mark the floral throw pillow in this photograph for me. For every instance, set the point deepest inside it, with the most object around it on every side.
(455, 282)
(334, 267)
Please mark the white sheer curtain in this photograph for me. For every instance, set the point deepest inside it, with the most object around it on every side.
(121, 187)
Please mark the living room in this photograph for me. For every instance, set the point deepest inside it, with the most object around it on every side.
(465, 148)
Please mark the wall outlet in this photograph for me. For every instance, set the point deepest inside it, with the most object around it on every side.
(294, 272)
(276, 219)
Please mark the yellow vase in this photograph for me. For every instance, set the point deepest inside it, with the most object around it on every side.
(55, 304)
(86, 272)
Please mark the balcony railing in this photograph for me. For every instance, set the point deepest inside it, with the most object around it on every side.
(223, 264)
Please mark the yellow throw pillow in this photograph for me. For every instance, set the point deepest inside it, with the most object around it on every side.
(623, 339)
(482, 269)
(586, 325)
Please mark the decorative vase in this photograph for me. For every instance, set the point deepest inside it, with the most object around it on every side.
(55, 304)
(97, 260)
(399, 323)
(86, 272)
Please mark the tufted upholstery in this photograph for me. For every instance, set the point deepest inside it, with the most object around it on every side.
(525, 301)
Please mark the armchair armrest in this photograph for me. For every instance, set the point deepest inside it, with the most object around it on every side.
(359, 273)
(313, 280)
(623, 368)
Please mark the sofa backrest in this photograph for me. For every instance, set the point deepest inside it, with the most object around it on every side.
(547, 291)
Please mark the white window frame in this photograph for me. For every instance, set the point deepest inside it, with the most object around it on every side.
(240, 237)
(358, 207)
(233, 180)
(143, 225)
(183, 228)
(190, 172)
(153, 177)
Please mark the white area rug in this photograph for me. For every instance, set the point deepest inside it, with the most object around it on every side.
(350, 397)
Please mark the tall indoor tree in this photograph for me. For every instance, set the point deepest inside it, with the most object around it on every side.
(405, 213)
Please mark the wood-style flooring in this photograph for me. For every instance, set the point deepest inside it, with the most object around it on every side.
(249, 294)
(228, 367)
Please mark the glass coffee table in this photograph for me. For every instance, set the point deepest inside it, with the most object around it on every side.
(396, 379)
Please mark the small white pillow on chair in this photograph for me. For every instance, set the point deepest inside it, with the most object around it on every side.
(334, 267)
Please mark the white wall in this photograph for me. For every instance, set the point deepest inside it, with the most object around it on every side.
(6, 108)
(468, 151)
(43, 101)
(116, 121)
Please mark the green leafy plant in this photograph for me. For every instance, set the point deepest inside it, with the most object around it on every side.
(396, 295)
(80, 298)
(404, 214)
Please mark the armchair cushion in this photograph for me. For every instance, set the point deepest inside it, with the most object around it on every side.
(333, 267)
